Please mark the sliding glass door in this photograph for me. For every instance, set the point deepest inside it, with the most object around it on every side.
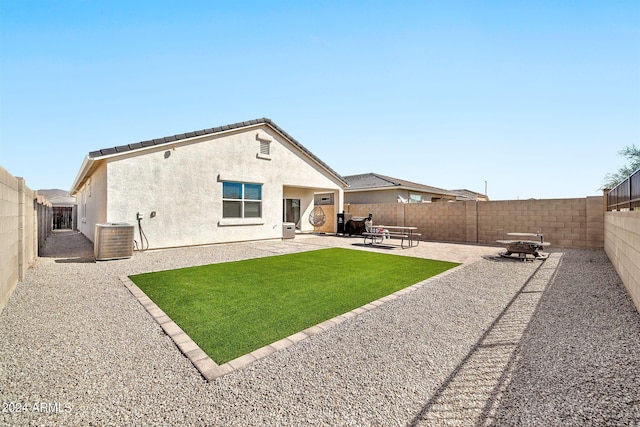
(291, 211)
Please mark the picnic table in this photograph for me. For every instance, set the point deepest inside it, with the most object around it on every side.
(522, 247)
(377, 234)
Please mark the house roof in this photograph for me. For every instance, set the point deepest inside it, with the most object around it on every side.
(470, 195)
(57, 196)
(374, 181)
(121, 149)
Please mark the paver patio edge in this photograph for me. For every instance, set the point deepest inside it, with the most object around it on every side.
(210, 370)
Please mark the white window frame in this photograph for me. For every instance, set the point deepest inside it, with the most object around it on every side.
(242, 200)
(415, 198)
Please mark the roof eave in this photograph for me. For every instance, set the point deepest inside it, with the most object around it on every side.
(87, 163)
(191, 137)
(401, 187)
(308, 153)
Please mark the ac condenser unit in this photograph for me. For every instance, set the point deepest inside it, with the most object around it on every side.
(113, 241)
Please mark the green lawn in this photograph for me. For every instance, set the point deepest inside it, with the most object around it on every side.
(233, 308)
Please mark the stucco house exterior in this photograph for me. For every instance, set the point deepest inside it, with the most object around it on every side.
(237, 182)
(375, 188)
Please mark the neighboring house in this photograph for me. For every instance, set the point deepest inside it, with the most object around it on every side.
(376, 188)
(64, 209)
(468, 195)
(236, 182)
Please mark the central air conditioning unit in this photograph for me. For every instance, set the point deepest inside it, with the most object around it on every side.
(113, 241)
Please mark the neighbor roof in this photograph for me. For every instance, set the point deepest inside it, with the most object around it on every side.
(374, 181)
(58, 197)
(468, 194)
(96, 155)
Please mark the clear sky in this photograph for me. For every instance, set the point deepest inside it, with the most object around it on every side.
(534, 98)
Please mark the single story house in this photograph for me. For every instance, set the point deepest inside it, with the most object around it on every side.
(376, 188)
(237, 182)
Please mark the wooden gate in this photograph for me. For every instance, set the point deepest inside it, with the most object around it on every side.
(62, 217)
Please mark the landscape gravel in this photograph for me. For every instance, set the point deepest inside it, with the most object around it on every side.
(78, 349)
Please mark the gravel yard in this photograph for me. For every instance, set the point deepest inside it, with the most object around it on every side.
(495, 342)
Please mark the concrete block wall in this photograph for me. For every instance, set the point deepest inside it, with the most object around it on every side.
(595, 222)
(9, 235)
(383, 213)
(564, 222)
(438, 221)
(622, 245)
(19, 231)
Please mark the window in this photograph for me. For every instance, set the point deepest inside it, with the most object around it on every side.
(415, 198)
(241, 200)
(84, 205)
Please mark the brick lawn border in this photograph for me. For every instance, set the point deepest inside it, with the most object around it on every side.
(210, 370)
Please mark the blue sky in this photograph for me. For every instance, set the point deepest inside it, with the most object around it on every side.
(533, 98)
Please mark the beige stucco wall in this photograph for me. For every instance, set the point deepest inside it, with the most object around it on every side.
(622, 245)
(306, 204)
(182, 184)
(384, 196)
(364, 197)
(94, 194)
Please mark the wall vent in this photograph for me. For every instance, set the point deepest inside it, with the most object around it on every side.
(265, 148)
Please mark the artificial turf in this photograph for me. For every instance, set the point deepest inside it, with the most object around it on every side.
(233, 308)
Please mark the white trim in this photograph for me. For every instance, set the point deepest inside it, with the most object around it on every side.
(236, 178)
(240, 221)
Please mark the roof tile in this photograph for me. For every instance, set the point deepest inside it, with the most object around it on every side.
(159, 141)
(374, 180)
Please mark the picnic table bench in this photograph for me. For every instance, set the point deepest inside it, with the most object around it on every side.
(379, 233)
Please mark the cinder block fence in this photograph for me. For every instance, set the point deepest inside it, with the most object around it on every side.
(577, 223)
(622, 245)
(25, 222)
(564, 222)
